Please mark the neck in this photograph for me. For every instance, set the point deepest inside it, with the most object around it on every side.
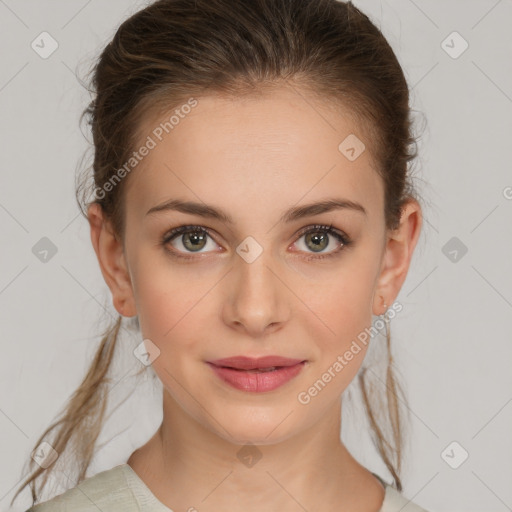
(186, 465)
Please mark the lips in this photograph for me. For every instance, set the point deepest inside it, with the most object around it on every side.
(256, 374)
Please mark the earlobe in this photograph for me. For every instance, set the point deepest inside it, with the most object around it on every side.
(112, 261)
(398, 252)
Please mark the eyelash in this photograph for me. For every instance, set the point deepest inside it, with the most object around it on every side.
(326, 229)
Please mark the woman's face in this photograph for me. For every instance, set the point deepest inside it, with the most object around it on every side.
(257, 285)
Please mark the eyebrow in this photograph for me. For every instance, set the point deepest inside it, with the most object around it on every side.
(292, 214)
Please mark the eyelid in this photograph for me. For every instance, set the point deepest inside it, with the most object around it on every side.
(328, 228)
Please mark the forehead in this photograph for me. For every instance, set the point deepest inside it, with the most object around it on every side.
(268, 151)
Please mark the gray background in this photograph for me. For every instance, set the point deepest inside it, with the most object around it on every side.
(452, 341)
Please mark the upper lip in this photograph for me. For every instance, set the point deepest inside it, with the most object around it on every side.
(252, 363)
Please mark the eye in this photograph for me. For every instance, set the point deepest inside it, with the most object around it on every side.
(193, 239)
(318, 237)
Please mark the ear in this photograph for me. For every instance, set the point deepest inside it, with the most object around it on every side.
(397, 256)
(110, 253)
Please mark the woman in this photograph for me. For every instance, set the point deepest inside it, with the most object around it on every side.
(252, 210)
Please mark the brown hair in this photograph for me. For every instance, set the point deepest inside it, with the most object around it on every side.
(173, 50)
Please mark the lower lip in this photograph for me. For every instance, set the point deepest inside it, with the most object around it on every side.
(257, 381)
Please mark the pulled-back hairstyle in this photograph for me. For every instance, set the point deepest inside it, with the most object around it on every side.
(174, 50)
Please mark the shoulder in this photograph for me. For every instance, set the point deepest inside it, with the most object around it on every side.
(395, 502)
(107, 490)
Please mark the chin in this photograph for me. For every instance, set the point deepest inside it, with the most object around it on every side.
(258, 430)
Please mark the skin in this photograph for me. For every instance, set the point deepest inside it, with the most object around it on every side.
(254, 157)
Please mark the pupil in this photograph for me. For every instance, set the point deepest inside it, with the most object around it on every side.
(196, 239)
(317, 240)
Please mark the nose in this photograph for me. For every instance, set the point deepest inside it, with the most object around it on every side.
(257, 298)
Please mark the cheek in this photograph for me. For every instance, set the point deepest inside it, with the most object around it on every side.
(344, 310)
(170, 316)
(165, 299)
(343, 302)
(342, 307)
(174, 304)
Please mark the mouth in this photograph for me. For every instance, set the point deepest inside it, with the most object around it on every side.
(268, 363)
(257, 370)
(256, 374)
